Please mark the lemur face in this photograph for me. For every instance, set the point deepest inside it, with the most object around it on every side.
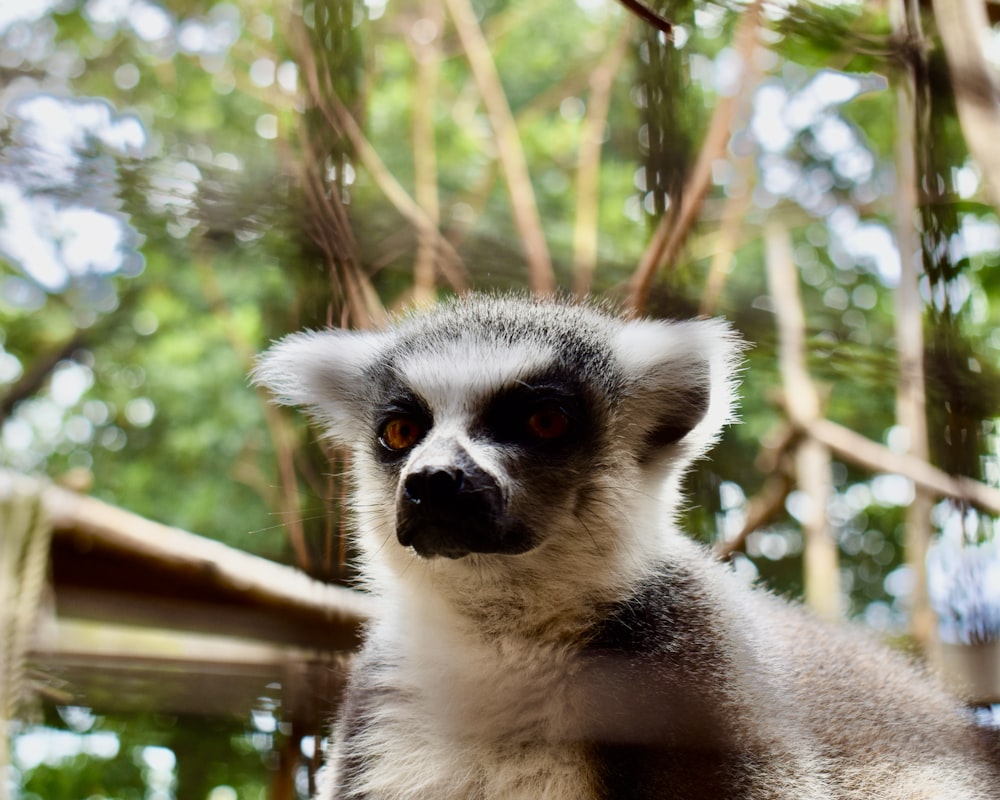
(476, 456)
(487, 425)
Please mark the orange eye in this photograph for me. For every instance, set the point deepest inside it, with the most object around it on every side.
(548, 423)
(401, 433)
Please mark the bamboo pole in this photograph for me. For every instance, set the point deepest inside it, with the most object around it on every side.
(853, 448)
(323, 94)
(911, 400)
(857, 449)
(963, 26)
(812, 456)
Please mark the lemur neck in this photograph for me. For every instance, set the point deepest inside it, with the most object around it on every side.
(547, 596)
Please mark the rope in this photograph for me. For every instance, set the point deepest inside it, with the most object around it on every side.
(25, 537)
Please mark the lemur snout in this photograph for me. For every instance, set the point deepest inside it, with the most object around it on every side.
(455, 509)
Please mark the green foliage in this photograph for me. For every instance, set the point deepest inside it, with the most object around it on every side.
(148, 394)
(190, 758)
(82, 777)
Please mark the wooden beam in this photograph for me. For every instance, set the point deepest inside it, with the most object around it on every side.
(86, 519)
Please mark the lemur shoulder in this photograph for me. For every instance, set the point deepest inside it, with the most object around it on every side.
(545, 631)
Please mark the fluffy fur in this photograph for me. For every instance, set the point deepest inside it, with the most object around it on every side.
(545, 632)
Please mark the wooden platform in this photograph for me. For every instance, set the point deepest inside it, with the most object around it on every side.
(143, 617)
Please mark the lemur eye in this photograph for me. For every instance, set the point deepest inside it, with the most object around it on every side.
(400, 433)
(548, 422)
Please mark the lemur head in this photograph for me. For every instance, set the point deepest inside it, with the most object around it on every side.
(498, 426)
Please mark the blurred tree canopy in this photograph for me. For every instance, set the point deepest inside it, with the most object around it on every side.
(182, 182)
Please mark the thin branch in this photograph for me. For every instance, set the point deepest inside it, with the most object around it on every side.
(451, 263)
(477, 196)
(276, 424)
(674, 228)
(588, 171)
(331, 230)
(340, 119)
(650, 17)
(763, 507)
(737, 204)
(328, 224)
(774, 459)
(425, 177)
(739, 195)
(573, 83)
(510, 153)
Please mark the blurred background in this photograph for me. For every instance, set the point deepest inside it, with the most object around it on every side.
(182, 182)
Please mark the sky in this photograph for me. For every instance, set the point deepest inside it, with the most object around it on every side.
(59, 220)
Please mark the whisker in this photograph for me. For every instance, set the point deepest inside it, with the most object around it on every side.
(284, 524)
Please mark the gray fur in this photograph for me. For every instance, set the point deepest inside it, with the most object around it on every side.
(545, 631)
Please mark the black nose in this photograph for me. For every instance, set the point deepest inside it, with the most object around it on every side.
(433, 485)
(454, 509)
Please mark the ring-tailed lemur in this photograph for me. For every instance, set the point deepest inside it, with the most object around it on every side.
(545, 631)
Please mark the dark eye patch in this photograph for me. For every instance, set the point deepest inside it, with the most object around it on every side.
(547, 413)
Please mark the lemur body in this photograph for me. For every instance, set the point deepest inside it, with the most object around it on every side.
(545, 632)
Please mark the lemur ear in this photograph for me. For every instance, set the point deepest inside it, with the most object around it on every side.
(682, 381)
(323, 371)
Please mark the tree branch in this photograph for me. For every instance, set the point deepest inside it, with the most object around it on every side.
(276, 424)
(34, 378)
(650, 17)
(761, 509)
(425, 178)
(331, 230)
(772, 459)
(852, 447)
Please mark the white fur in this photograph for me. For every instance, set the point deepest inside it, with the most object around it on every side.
(462, 724)
(457, 377)
(323, 371)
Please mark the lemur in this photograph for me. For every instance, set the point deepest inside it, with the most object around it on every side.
(545, 630)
